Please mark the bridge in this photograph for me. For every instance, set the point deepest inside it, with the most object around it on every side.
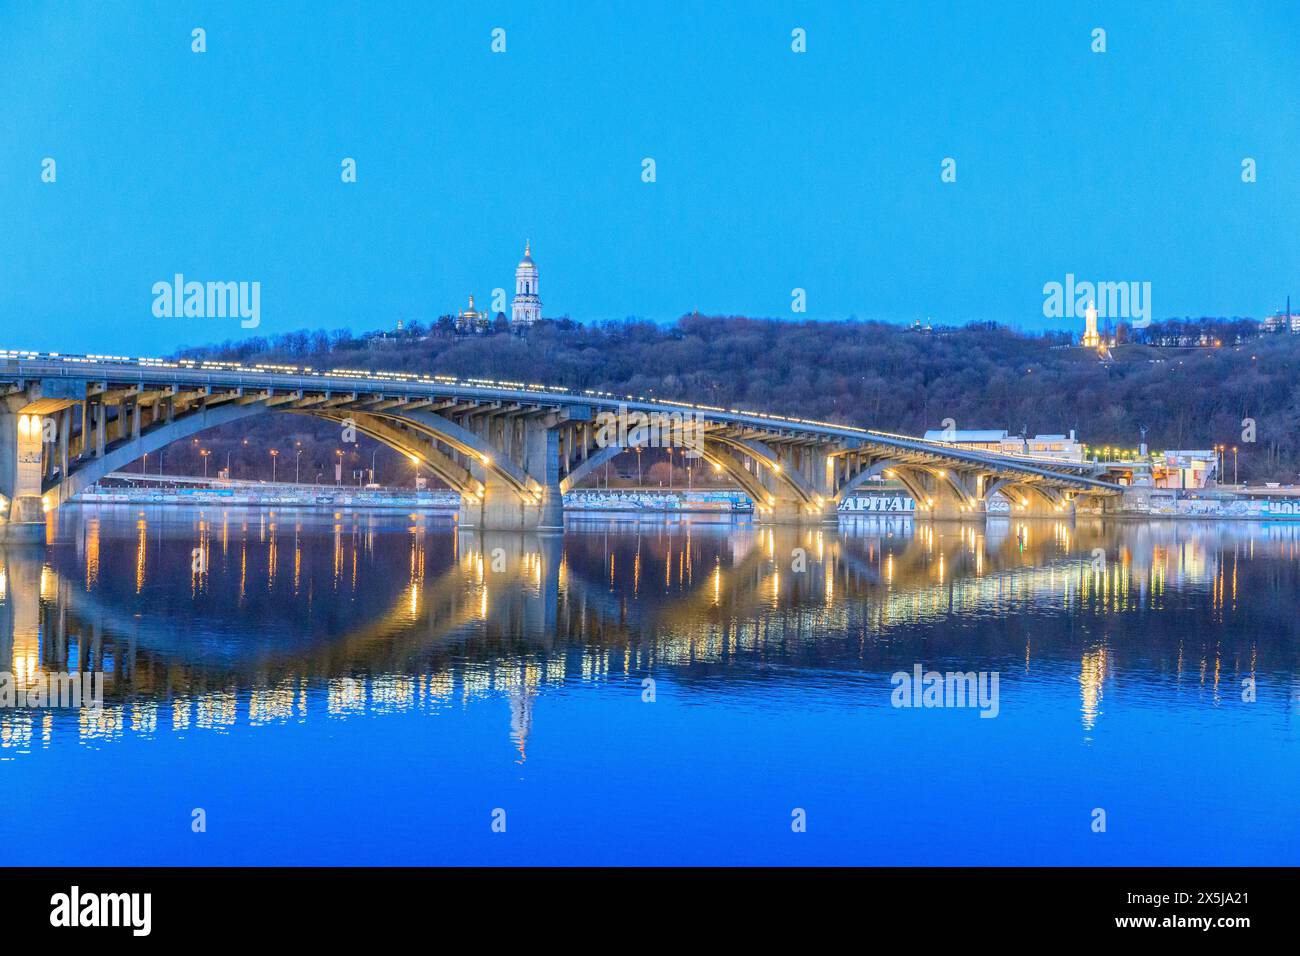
(509, 449)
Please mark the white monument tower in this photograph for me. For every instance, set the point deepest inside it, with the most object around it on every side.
(1091, 339)
(526, 308)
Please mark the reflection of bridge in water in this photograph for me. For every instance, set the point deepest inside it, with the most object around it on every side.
(234, 618)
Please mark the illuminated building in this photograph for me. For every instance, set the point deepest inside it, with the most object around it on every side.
(526, 307)
(470, 320)
(1091, 339)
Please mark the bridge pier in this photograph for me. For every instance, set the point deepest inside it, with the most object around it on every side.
(941, 494)
(948, 507)
(1030, 500)
(22, 516)
(503, 507)
(798, 483)
(788, 510)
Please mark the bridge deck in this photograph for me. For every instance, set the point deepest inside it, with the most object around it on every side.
(20, 366)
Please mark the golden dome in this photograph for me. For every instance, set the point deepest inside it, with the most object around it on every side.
(527, 260)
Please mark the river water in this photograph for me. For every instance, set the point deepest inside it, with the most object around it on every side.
(318, 687)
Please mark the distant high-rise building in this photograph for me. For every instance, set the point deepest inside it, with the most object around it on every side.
(526, 308)
(1280, 321)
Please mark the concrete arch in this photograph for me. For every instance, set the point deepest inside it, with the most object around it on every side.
(950, 478)
(761, 452)
(583, 469)
(709, 453)
(863, 476)
(733, 466)
(1006, 486)
(467, 443)
(452, 474)
(90, 470)
(904, 472)
(914, 488)
(1018, 492)
(1052, 497)
(379, 427)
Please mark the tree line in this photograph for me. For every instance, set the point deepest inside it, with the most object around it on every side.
(864, 373)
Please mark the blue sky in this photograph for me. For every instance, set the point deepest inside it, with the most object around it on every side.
(775, 170)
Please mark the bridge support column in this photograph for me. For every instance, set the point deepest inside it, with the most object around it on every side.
(500, 508)
(542, 462)
(22, 517)
(789, 510)
(504, 507)
(947, 505)
(1029, 501)
(809, 500)
(936, 497)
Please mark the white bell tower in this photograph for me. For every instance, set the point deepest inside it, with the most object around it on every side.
(526, 307)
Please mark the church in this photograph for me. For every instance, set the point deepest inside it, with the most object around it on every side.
(525, 308)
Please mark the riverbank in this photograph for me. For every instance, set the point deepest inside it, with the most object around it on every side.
(1237, 503)
(134, 490)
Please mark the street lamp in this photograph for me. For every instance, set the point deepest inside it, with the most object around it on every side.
(1234, 464)
(638, 466)
(338, 466)
(204, 453)
(296, 458)
(274, 455)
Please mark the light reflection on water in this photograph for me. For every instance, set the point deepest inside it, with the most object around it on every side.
(770, 650)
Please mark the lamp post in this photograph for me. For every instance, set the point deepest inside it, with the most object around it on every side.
(670, 469)
(296, 459)
(638, 466)
(275, 454)
(372, 465)
(204, 453)
(338, 466)
(1234, 464)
